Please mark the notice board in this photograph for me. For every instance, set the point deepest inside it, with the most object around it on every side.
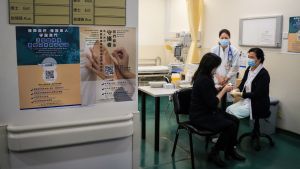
(261, 31)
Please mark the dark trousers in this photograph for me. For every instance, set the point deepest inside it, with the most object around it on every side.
(228, 135)
(225, 124)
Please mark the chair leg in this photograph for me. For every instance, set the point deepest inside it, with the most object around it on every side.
(243, 136)
(257, 146)
(207, 140)
(191, 149)
(269, 138)
(175, 142)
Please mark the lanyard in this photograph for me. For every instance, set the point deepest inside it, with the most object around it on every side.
(250, 79)
(230, 55)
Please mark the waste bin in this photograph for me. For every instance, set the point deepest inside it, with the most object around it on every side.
(268, 125)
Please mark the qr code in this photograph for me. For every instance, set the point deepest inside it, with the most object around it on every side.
(109, 70)
(49, 74)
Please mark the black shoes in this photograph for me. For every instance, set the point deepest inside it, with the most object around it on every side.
(234, 155)
(215, 158)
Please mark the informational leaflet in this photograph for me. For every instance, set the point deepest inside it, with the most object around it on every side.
(48, 66)
(294, 34)
(107, 64)
(66, 12)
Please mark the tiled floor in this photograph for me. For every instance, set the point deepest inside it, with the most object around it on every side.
(285, 154)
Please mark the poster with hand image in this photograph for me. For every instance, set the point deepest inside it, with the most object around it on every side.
(107, 64)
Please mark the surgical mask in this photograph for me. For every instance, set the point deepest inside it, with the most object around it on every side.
(251, 62)
(224, 42)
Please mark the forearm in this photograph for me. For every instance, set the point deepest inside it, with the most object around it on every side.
(221, 94)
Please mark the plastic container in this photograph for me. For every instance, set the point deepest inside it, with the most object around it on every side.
(175, 78)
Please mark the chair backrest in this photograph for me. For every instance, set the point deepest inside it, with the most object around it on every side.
(182, 101)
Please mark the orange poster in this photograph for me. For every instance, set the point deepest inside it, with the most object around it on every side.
(294, 35)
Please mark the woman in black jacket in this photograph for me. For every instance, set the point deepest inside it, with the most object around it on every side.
(204, 111)
(254, 89)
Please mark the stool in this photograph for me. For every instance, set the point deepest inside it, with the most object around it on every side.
(256, 133)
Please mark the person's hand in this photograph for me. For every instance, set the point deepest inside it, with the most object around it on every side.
(221, 79)
(120, 58)
(228, 87)
(236, 93)
(218, 87)
(98, 58)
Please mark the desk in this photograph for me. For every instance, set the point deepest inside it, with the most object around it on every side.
(156, 93)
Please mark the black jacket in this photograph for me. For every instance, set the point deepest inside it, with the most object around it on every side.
(259, 95)
(204, 111)
(203, 100)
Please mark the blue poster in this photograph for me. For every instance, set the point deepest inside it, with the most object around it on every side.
(34, 44)
(48, 60)
(294, 34)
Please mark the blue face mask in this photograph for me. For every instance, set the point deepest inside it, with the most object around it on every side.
(251, 62)
(224, 42)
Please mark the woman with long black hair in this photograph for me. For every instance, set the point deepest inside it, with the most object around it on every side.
(204, 111)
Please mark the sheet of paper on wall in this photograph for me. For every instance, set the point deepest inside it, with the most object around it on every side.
(294, 34)
(107, 64)
(48, 66)
(243, 60)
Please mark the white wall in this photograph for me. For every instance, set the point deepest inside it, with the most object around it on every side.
(176, 16)
(282, 66)
(157, 19)
(151, 29)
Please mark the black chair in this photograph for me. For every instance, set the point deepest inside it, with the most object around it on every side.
(181, 101)
(256, 134)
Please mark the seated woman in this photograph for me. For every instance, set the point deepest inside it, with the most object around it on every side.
(204, 112)
(253, 90)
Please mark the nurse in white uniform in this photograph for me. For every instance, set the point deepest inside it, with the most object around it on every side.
(227, 71)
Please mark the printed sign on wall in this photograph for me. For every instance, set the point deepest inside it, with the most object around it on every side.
(48, 66)
(107, 64)
(294, 34)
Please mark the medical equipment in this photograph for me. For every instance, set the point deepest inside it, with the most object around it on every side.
(178, 44)
(152, 73)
